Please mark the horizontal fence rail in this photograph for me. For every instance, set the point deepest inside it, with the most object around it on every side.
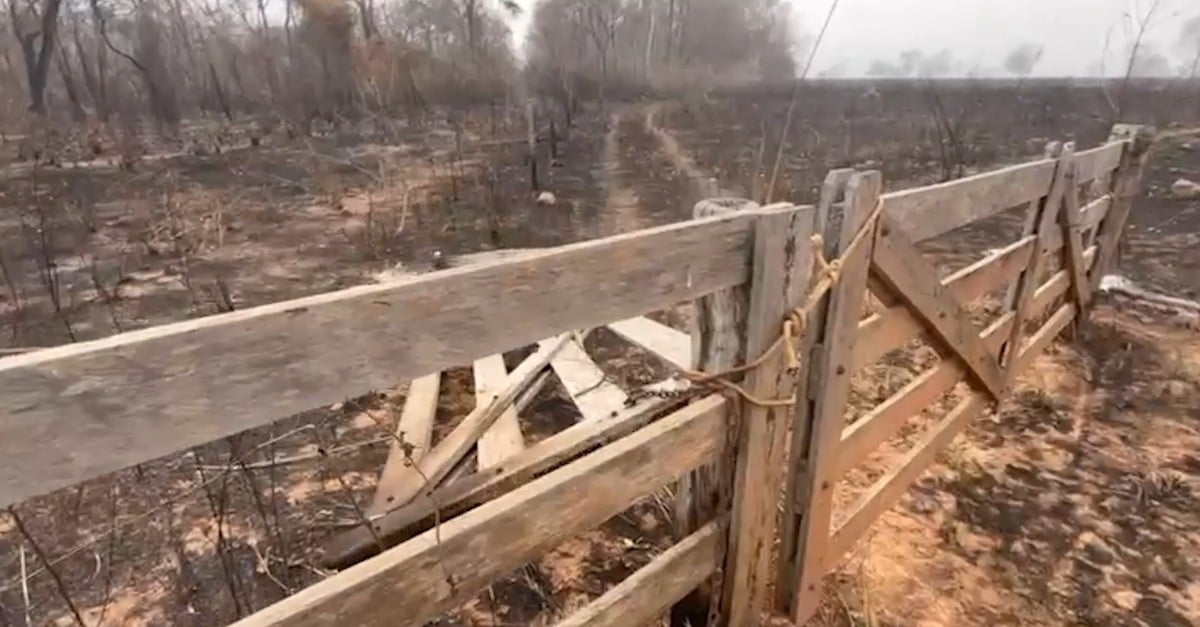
(72, 413)
(1050, 272)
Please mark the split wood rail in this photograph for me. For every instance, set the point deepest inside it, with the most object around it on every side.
(72, 413)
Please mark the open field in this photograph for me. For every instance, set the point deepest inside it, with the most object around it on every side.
(1093, 479)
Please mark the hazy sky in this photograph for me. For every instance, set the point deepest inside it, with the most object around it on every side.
(982, 32)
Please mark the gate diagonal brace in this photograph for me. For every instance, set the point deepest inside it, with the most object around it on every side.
(903, 269)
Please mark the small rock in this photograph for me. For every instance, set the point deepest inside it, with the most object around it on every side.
(1099, 552)
(1185, 189)
(546, 199)
(1126, 599)
(336, 407)
(1188, 146)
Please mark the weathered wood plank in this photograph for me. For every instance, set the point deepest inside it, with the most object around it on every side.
(931, 211)
(889, 488)
(646, 594)
(783, 263)
(433, 572)
(885, 420)
(718, 345)
(787, 570)
(892, 328)
(1043, 337)
(900, 264)
(1031, 278)
(671, 346)
(414, 433)
(1127, 184)
(1029, 228)
(503, 439)
(71, 413)
(835, 370)
(428, 473)
(1073, 236)
(593, 394)
(1099, 161)
(456, 498)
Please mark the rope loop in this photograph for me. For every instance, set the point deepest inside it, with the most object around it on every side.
(827, 274)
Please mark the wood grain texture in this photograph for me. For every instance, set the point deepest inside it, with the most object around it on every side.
(414, 434)
(671, 346)
(795, 500)
(892, 328)
(889, 488)
(503, 439)
(593, 394)
(1033, 212)
(884, 421)
(718, 345)
(643, 597)
(459, 497)
(931, 211)
(1099, 161)
(1029, 281)
(429, 472)
(845, 306)
(1127, 184)
(899, 263)
(1073, 236)
(433, 572)
(783, 263)
(71, 413)
(1044, 336)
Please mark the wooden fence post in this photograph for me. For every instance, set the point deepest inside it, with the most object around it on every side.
(1126, 185)
(831, 371)
(832, 191)
(1031, 278)
(718, 344)
(783, 262)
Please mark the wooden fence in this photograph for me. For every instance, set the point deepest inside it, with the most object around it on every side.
(72, 413)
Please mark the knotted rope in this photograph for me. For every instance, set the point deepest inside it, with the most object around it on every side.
(795, 324)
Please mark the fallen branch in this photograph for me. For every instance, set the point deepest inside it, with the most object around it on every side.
(1121, 286)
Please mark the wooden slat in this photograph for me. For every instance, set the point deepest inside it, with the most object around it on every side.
(431, 573)
(805, 409)
(1126, 185)
(881, 423)
(898, 262)
(892, 328)
(824, 432)
(646, 594)
(671, 346)
(1099, 161)
(1041, 339)
(458, 497)
(1073, 236)
(1031, 278)
(1029, 228)
(503, 439)
(931, 211)
(74, 412)
(593, 394)
(783, 263)
(428, 473)
(414, 433)
(888, 489)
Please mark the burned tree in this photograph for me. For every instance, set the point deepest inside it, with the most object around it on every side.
(36, 30)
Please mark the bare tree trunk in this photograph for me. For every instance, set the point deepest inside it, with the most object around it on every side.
(37, 47)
